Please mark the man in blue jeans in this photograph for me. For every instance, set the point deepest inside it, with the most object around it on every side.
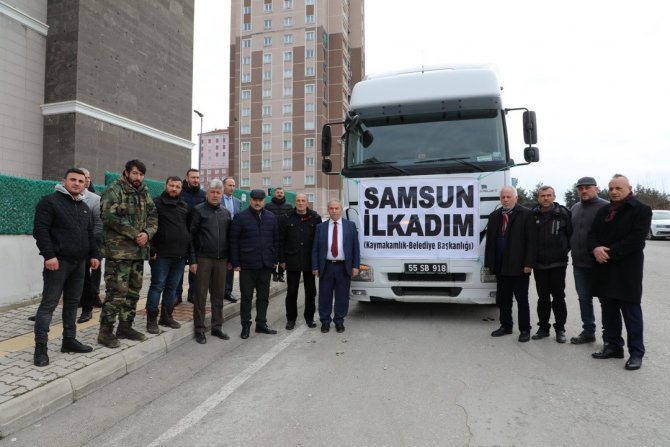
(169, 249)
(583, 214)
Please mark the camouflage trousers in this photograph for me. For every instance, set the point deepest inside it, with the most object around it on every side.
(123, 282)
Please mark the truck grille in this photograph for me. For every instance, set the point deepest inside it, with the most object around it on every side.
(427, 291)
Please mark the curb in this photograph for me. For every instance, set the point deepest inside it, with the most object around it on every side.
(25, 410)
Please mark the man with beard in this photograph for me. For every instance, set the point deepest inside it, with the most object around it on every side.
(63, 231)
(278, 206)
(129, 222)
(193, 195)
(169, 249)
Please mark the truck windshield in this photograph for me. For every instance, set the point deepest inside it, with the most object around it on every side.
(420, 144)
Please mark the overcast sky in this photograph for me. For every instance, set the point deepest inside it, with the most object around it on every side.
(596, 72)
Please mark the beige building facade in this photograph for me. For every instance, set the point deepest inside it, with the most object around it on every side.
(293, 65)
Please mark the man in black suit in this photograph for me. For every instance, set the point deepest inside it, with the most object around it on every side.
(617, 241)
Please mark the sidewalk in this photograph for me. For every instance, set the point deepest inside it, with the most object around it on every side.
(29, 393)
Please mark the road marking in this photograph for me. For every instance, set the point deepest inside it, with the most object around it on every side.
(229, 388)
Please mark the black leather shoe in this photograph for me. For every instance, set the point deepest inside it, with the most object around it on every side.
(608, 352)
(582, 338)
(524, 336)
(264, 329)
(339, 328)
(634, 363)
(560, 337)
(219, 333)
(501, 331)
(74, 345)
(41, 358)
(325, 328)
(540, 334)
(245, 332)
(31, 318)
(290, 325)
(310, 324)
(200, 338)
(85, 316)
(230, 298)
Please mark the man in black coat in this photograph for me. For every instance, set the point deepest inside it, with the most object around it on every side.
(510, 255)
(254, 252)
(63, 231)
(193, 195)
(296, 237)
(278, 206)
(617, 241)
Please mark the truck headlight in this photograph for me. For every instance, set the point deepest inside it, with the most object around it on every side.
(365, 274)
(486, 276)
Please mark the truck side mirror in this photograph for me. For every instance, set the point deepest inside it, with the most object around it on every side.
(531, 154)
(529, 127)
(325, 142)
(326, 165)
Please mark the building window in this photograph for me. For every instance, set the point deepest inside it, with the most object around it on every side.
(309, 35)
(309, 2)
(288, 145)
(288, 91)
(245, 181)
(310, 198)
(246, 77)
(309, 88)
(246, 60)
(309, 161)
(246, 129)
(309, 18)
(288, 126)
(267, 41)
(288, 56)
(267, 181)
(245, 164)
(267, 93)
(309, 180)
(309, 54)
(309, 125)
(268, 7)
(267, 24)
(246, 43)
(246, 111)
(288, 21)
(287, 163)
(267, 75)
(287, 180)
(288, 73)
(309, 71)
(309, 143)
(288, 4)
(288, 38)
(246, 94)
(309, 107)
(267, 110)
(267, 127)
(267, 163)
(246, 26)
(287, 109)
(267, 145)
(247, 9)
(267, 58)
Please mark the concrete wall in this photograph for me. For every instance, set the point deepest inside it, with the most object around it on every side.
(22, 50)
(20, 269)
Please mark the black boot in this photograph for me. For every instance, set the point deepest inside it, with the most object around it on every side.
(166, 318)
(106, 336)
(125, 330)
(40, 358)
(245, 330)
(74, 345)
(152, 323)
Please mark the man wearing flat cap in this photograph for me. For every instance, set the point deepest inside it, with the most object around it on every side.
(583, 213)
(254, 239)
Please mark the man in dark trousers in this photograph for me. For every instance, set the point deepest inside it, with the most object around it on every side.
(169, 251)
(90, 296)
(617, 241)
(583, 213)
(192, 194)
(296, 236)
(554, 228)
(254, 244)
(510, 255)
(336, 259)
(278, 206)
(210, 251)
(234, 206)
(63, 231)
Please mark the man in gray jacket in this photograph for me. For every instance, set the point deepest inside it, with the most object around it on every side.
(583, 214)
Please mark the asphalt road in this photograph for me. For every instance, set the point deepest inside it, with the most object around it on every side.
(401, 375)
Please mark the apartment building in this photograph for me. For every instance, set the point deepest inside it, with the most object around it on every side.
(214, 155)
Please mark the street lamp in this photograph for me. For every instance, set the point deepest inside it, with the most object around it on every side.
(200, 137)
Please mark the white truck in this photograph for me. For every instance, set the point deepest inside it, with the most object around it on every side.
(425, 154)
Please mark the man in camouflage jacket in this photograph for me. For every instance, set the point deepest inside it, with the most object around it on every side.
(129, 221)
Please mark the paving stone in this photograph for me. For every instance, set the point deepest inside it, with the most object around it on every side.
(9, 378)
(5, 389)
(30, 384)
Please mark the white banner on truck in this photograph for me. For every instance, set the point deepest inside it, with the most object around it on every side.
(419, 218)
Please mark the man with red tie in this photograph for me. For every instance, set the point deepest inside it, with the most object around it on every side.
(335, 260)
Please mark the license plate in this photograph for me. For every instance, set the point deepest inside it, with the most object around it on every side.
(423, 267)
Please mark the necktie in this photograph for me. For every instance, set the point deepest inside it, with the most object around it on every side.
(505, 217)
(333, 245)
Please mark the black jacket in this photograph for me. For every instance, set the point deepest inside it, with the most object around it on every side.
(210, 231)
(583, 214)
(296, 236)
(509, 255)
(172, 238)
(63, 228)
(254, 240)
(192, 195)
(278, 207)
(620, 277)
(554, 229)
